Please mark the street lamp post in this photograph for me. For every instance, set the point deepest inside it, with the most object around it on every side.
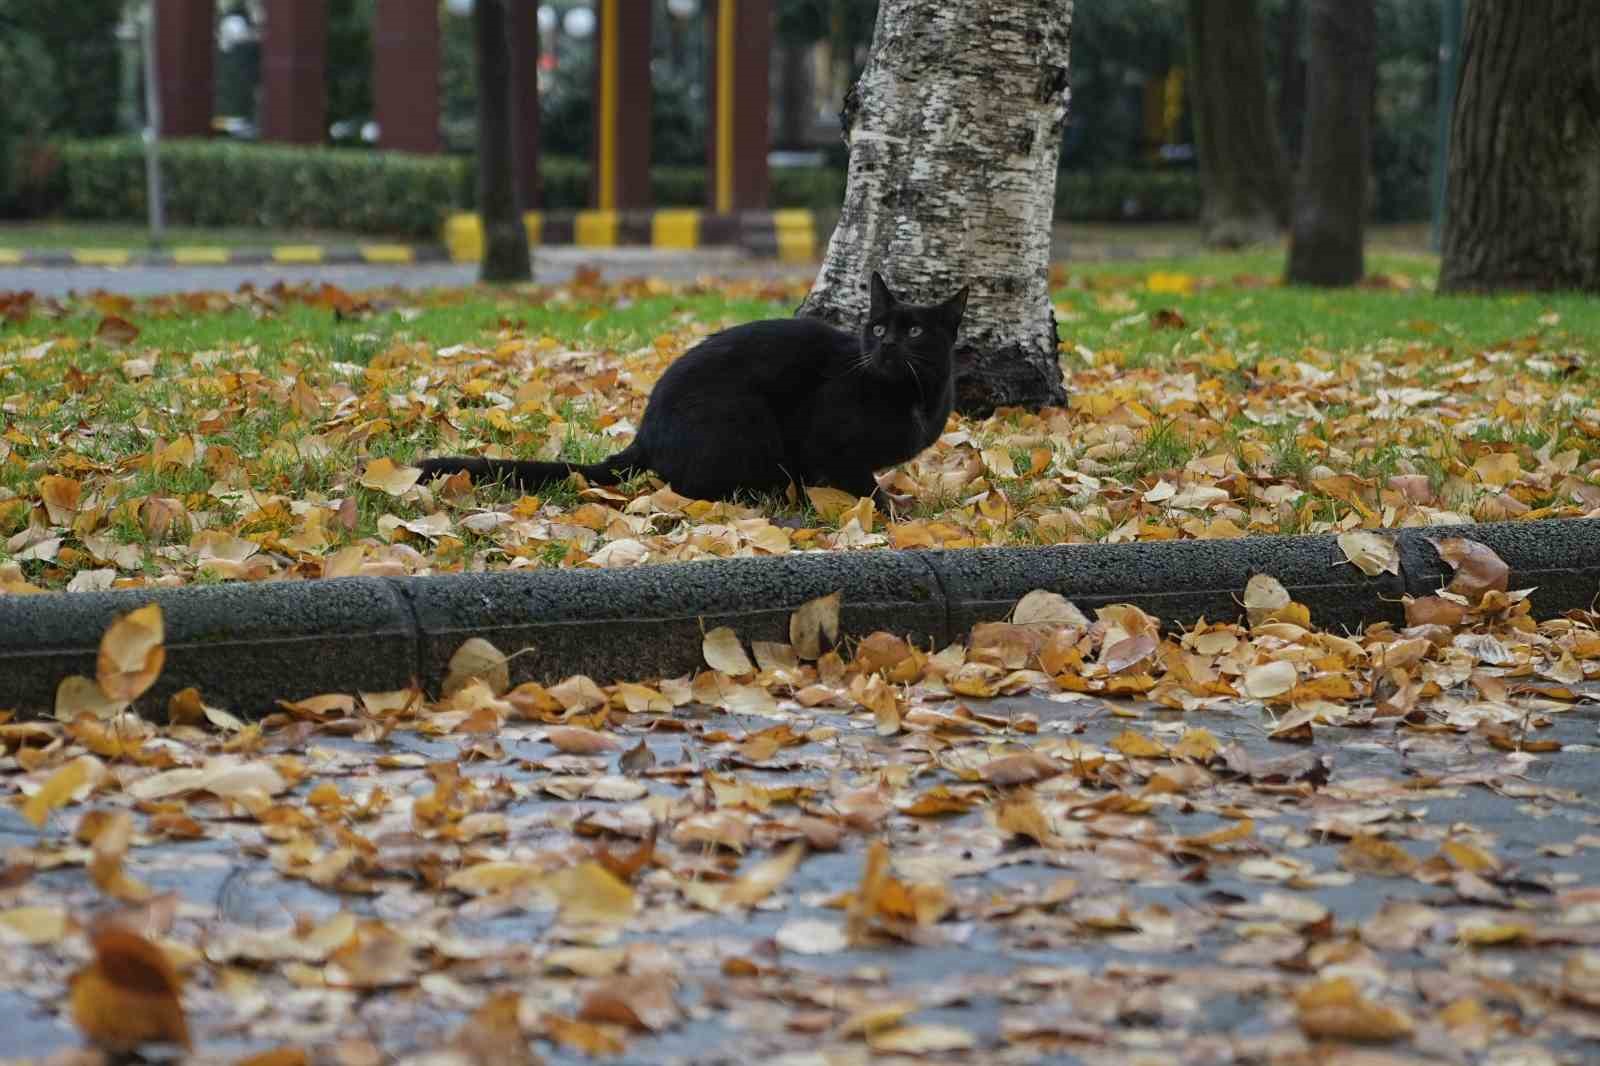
(152, 131)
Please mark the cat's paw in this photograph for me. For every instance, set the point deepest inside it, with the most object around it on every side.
(892, 504)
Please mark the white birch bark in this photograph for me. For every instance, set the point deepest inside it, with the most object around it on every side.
(955, 135)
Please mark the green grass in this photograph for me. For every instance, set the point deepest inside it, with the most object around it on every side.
(1109, 307)
(1240, 341)
(357, 340)
(1090, 237)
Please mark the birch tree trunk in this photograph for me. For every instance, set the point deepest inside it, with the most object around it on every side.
(1523, 206)
(1330, 203)
(954, 132)
(505, 240)
(1244, 178)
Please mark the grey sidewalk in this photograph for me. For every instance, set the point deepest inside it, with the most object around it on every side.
(1059, 954)
(551, 265)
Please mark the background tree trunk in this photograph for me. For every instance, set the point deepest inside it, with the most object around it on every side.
(1291, 77)
(794, 95)
(1523, 204)
(1243, 176)
(1331, 191)
(505, 240)
(955, 132)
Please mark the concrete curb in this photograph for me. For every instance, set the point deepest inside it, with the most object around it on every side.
(788, 235)
(246, 646)
(649, 621)
(243, 645)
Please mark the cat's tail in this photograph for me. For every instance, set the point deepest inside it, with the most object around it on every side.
(529, 474)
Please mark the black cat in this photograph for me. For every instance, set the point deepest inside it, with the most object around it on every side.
(758, 406)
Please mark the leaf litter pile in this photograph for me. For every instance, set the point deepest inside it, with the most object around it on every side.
(1073, 838)
(269, 434)
(1068, 838)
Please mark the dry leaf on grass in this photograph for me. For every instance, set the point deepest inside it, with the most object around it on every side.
(382, 475)
(830, 503)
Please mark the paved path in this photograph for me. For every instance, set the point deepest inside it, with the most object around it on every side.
(1095, 951)
(551, 265)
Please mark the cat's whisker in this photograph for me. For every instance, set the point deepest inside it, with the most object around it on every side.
(911, 365)
(860, 364)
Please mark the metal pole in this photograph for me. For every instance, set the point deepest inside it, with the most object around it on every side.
(1449, 75)
(152, 132)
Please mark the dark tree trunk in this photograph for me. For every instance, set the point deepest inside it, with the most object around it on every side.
(522, 29)
(1331, 192)
(1291, 78)
(1523, 205)
(955, 135)
(794, 95)
(1243, 177)
(505, 241)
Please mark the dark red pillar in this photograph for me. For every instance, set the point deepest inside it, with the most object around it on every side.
(294, 49)
(620, 170)
(522, 26)
(405, 74)
(736, 129)
(186, 68)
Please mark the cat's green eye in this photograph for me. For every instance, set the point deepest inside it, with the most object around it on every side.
(877, 331)
(915, 331)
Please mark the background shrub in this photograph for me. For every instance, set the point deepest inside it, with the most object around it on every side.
(26, 74)
(225, 183)
(229, 183)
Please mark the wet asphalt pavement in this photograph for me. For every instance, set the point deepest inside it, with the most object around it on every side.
(1180, 978)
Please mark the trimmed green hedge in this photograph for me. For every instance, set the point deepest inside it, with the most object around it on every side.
(566, 185)
(1127, 196)
(227, 183)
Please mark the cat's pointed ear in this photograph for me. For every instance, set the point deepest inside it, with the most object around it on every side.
(954, 308)
(882, 298)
